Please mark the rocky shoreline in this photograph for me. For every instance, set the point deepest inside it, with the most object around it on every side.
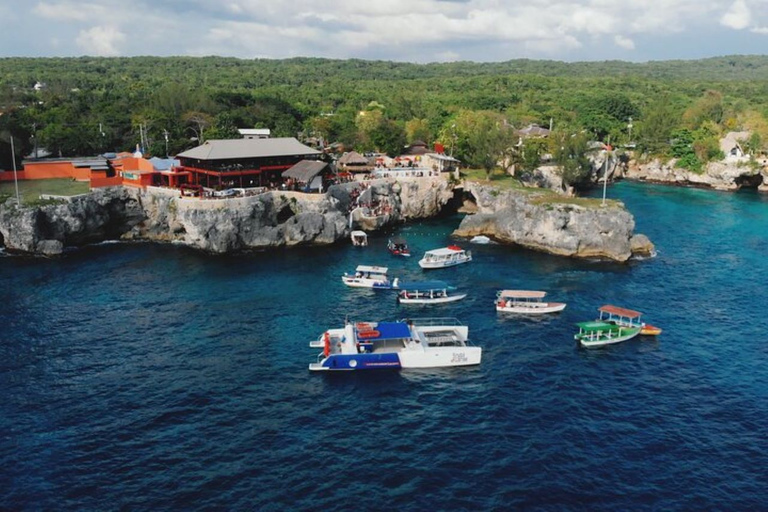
(560, 228)
(724, 175)
(276, 218)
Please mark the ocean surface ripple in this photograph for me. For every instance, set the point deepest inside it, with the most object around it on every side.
(140, 376)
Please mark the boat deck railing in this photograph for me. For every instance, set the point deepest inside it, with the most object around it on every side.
(429, 322)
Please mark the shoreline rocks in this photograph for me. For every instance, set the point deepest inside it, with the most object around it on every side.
(560, 228)
(725, 175)
(282, 218)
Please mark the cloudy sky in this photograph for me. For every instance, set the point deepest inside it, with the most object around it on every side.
(401, 30)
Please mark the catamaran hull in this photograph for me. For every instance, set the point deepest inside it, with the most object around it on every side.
(426, 300)
(553, 307)
(444, 357)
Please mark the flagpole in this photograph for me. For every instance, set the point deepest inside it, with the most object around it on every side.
(15, 177)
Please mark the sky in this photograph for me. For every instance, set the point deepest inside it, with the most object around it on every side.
(399, 30)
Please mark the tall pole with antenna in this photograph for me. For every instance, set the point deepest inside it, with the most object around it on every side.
(15, 176)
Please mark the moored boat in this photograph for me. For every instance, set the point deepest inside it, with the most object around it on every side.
(366, 276)
(417, 343)
(599, 334)
(398, 247)
(359, 238)
(627, 318)
(426, 292)
(445, 257)
(528, 302)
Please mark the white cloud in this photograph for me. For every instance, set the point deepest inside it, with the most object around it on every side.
(624, 42)
(420, 30)
(100, 41)
(738, 16)
(70, 11)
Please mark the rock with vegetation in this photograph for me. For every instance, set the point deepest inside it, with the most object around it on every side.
(717, 175)
(545, 222)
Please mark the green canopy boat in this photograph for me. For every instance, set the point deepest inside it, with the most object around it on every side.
(599, 334)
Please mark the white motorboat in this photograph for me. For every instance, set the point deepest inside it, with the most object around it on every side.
(366, 276)
(480, 239)
(445, 257)
(417, 343)
(359, 238)
(426, 292)
(527, 302)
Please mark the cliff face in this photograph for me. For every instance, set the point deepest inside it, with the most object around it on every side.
(287, 218)
(716, 175)
(557, 228)
(267, 220)
(100, 215)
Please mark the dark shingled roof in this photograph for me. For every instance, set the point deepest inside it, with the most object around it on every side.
(248, 148)
(305, 170)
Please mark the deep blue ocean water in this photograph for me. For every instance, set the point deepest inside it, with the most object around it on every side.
(145, 377)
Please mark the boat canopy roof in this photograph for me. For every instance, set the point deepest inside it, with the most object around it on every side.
(398, 240)
(615, 310)
(596, 326)
(373, 270)
(385, 331)
(445, 251)
(424, 286)
(521, 294)
(359, 233)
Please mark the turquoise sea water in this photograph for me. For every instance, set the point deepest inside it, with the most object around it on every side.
(141, 376)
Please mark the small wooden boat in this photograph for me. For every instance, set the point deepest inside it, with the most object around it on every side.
(359, 238)
(445, 257)
(599, 334)
(527, 302)
(426, 292)
(627, 318)
(398, 247)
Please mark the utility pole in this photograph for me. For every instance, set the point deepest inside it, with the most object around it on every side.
(629, 127)
(15, 177)
(165, 134)
(605, 173)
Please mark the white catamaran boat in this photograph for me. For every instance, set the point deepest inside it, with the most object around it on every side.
(359, 238)
(427, 292)
(526, 302)
(445, 257)
(369, 277)
(417, 343)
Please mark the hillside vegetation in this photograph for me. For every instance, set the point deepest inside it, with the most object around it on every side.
(92, 105)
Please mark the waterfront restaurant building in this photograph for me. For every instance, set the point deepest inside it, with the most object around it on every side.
(243, 163)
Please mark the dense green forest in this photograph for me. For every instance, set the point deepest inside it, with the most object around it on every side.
(93, 105)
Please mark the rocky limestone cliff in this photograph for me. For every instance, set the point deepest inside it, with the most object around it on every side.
(223, 225)
(103, 214)
(717, 175)
(522, 218)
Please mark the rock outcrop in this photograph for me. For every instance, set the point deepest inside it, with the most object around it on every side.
(223, 225)
(276, 218)
(723, 175)
(103, 214)
(562, 228)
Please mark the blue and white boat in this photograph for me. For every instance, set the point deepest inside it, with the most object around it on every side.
(366, 276)
(416, 343)
(427, 292)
